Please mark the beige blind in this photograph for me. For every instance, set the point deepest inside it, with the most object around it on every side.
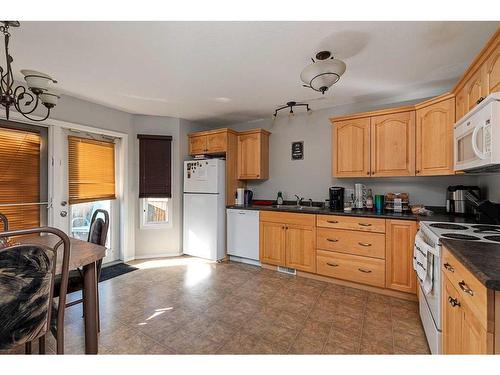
(20, 177)
(91, 170)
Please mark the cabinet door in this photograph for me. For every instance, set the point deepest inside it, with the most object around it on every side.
(475, 88)
(474, 338)
(493, 72)
(434, 147)
(351, 148)
(300, 247)
(272, 243)
(400, 237)
(393, 144)
(217, 143)
(460, 104)
(197, 144)
(249, 156)
(452, 319)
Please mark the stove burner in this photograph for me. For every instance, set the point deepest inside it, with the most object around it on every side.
(448, 226)
(486, 229)
(460, 236)
(492, 238)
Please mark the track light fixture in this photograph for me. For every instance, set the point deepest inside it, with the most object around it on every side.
(290, 105)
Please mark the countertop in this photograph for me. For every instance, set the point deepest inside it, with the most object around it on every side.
(482, 259)
(438, 215)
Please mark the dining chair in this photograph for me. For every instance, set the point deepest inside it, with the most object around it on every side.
(27, 274)
(98, 234)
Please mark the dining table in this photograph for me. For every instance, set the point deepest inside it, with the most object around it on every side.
(84, 255)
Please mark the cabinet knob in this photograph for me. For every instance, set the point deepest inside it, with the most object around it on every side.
(453, 301)
(449, 267)
(480, 100)
(367, 173)
(418, 171)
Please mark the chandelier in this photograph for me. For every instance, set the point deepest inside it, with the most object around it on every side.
(324, 72)
(25, 101)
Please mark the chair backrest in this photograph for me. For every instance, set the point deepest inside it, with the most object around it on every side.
(27, 273)
(98, 232)
(5, 222)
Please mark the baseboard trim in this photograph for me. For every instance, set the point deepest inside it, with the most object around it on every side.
(159, 255)
(368, 288)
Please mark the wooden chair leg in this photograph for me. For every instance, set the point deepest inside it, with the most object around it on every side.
(98, 313)
(27, 348)
(41, 345)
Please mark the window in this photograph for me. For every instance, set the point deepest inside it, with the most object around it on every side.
(155, 169)
(155, 212)
(23, 174)
(81, 214)
(91, 170)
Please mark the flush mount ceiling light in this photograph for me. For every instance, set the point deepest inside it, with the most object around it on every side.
(25, 101)
(291, 105)
(324, 72)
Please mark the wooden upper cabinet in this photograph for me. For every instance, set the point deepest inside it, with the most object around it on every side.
(217, 142)
(434, 138)
(475, 88)
(197, 144)
(300, 247)
(351, 148)
(493, 71)
(253, 155)
(393, 144)
(460, 104)
(400, 237)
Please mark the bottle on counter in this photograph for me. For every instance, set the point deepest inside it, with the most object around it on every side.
(369, 200)
(279, 199)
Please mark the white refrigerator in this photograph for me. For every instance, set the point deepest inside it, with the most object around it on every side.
(204, 209)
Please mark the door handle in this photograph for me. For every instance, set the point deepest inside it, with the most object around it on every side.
(332, 240)
(449, 267)
(364, 271)
(63, 213)
(465, 288)
(332, 221)
(332, 264)
(365, 224)
(364, 244)
(453, 301)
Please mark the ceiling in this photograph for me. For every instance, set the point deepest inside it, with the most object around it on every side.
(227, 72)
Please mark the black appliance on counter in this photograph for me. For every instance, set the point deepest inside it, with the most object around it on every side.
(487, 211)
(248, 197)
(336, 198)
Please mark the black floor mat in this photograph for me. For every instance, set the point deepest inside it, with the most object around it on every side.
(116, 270)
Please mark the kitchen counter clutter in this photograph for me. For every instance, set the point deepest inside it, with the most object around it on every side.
(482, 259)
(438, 215)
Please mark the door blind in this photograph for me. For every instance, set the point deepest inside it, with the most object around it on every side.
(91, 170)
(155, 166)
(20, 177)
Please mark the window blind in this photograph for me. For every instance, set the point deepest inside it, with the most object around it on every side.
(155, 166)
(20, 177)
(91, 170)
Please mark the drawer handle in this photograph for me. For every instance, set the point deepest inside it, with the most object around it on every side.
(365, 224)
(332, 240)
(364, 271)
(332, 221)
(449, 267)
(364, 244)
(465, 288)
(332, 264)
(453, 302)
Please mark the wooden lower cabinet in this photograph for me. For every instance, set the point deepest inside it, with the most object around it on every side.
(399, 239)
(272, 243)
(300, 250)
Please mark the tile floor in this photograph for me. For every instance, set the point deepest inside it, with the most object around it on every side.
(188, 306)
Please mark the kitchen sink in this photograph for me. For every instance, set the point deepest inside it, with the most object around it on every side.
(297, 208)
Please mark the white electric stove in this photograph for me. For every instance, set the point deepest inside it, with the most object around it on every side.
(431, 233)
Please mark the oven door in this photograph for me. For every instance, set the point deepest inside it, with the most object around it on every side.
(472, 143)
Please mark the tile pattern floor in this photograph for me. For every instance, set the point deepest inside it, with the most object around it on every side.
(188, 306)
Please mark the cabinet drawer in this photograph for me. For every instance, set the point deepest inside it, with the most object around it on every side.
(287, 218)
(364, 224)
(351, 242)
(471, 290)
(355, 268)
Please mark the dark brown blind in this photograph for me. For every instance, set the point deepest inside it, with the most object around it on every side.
(155, 166)
(20, 177)
(91, 170)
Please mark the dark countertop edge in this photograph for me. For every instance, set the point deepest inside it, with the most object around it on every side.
(438, 216)
(465, 251)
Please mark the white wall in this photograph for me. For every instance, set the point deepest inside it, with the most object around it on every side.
(490, 186)
(311, 177)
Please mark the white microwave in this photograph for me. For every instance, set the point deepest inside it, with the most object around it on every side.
(477, 138)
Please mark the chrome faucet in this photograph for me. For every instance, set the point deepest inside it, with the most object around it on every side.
(310, 202)
(299, 200)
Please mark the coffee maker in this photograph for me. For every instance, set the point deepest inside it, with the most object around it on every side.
(456, 199)
(336, 198)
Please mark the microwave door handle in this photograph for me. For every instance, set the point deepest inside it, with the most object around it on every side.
(476, 150)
